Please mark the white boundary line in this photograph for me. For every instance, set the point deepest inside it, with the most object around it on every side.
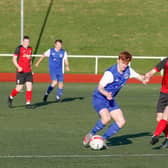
(80, 156)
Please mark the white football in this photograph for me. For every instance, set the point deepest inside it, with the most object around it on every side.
(96, 142)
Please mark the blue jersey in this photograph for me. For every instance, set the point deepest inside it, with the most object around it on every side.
(56, 60)
(119, 80)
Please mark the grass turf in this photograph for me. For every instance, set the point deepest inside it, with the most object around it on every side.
(58, 129)
(87, 27)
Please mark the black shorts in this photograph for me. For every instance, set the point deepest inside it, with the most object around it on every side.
(21, 77)
(162, 102)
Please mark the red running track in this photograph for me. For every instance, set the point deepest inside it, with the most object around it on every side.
(69, 78)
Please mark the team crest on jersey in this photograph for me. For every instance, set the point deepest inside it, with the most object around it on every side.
(53, 53)
(61, 55)
(126, 76)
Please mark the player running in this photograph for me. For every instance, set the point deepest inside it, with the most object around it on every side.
(162, 106)
(104, 95)
(22, 61)
(56, 56)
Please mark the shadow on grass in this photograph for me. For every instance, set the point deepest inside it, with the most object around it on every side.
(40, 104)
(126, 139)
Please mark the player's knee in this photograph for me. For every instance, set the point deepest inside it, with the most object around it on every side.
(158, 118)
(106, 120)
(121, 123)
(54, 84)
(19, 89)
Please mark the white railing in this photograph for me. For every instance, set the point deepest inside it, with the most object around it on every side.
(100, 57)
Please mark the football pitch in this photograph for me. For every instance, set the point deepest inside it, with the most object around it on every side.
(51, 135)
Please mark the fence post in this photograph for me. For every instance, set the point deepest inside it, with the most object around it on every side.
(96, 65)
(161, 72)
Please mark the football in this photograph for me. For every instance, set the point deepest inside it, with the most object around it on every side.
(96, 142)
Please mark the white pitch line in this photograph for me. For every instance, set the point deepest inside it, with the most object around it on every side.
(81, 156)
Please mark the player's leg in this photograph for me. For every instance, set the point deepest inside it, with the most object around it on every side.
(100, 124)
(17, 89)
(14, 92)
(60, 78)
(161, 118)
(104, 117)
(29, 84)
(49, 89)
(59, 91)
(119, 122)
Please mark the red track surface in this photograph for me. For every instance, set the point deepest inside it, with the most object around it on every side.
(69, 78)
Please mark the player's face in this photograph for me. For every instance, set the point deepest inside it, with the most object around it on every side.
(122, 65)
(26, 43)
(58, 45)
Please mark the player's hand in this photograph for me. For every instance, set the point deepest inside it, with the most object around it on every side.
(109, 95)
(32, 73)
(36, 65)
(146, 78)
(20, 69)
(67, 68)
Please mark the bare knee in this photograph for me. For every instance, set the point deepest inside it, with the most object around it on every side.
(121, 123)
(159, 116)
(54, 83)
(106, 120)
(19, 88)
(158, 119)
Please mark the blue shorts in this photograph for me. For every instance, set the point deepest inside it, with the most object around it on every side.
(57, 76)
(100, 104)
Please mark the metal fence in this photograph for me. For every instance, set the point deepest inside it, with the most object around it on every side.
(97, 58)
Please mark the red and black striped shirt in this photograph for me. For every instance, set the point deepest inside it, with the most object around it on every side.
(24, 58)
(163, 65)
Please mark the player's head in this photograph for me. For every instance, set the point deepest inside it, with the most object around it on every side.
(58, 44)
(26, 41)
(124, 59)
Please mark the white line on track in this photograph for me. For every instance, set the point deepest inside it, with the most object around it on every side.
(81, 156)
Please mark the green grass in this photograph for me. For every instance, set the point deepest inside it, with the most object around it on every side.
(58, 129)
(93, 27)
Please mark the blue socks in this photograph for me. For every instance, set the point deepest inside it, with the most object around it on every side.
(50, 88)
(59, 92)
(99, 126)
(112, 129)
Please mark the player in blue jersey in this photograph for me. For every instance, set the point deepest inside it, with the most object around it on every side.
(57, 57)
(104, 95)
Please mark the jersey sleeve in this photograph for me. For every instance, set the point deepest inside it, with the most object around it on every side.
(47, 53)
(161, 65)
(106, 79)
(17, 51)
(65, 55)
(133, 73)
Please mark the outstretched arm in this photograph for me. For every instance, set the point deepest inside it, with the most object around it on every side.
(40, 60)
(149, 74)
(137, 76)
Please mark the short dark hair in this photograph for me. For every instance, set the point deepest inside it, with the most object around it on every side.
(58, 40)
(26, 37)
(125, 56)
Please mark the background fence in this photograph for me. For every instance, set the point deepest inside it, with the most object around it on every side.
(97, 59)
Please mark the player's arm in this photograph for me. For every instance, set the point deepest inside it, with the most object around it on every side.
(14, 60)
(66, 62)
(19, 68)
(46, 54)
(134, 74)
(156, 69)
(106, 79)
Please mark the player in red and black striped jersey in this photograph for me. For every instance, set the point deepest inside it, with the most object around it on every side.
(162, 106)
(22, 61)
